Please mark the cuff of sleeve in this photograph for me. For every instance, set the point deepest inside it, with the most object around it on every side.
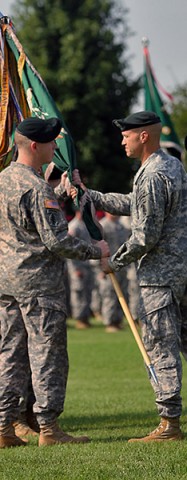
(111, 265)
(95, 252)
(60, 192)
(115, 266)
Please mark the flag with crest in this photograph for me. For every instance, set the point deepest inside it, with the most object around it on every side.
(23, 93)
(154, 94)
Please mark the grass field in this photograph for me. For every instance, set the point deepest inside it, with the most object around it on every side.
(110, 399)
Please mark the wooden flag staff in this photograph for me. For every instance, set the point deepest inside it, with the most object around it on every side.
(132, 326)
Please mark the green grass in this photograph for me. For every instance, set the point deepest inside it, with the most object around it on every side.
(110, 399)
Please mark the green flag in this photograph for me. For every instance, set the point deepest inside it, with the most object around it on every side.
(23, 94)
(154, 102)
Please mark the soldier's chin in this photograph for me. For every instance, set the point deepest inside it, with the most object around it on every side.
(128, 154)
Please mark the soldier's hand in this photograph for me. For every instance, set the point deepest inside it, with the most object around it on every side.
(66, 183)
(73, 192)
(105, 251)
(105, 266)
(77, 179)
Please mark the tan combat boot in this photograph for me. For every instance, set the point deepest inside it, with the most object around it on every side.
(168, 429)
(82, 324)
(51, 434)
(8, 437)
(22, 427)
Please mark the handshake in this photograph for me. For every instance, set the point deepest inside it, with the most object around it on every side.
(71, 191)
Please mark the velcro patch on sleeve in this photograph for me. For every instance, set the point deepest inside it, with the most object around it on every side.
(48, 203)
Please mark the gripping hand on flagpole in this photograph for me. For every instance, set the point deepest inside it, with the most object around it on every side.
(105, 251)
(77, 179)
(65, 183)
(72, 191)
(70, 188)
(105, 266)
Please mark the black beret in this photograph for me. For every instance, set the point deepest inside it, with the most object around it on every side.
(136, 120)
(40, 130)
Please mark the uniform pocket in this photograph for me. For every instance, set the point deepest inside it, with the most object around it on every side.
(159, 322)
(153, 299)
(47, 318)
(51, 303)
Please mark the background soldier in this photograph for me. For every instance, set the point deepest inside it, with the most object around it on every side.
(115, 235)
(80, 277)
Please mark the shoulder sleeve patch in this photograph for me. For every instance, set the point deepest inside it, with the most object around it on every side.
(48, 203)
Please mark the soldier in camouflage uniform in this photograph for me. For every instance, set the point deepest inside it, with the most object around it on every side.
(34, 240)
(133, 288)
(158, 209)
(80, 277)
(115, 234)
(26, 424)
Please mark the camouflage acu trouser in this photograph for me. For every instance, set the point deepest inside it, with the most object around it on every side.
(80, 281)
(161, 333)
(183, 310)
(111, 310)
(33, 336)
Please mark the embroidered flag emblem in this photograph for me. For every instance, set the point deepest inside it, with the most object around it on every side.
(48, 203)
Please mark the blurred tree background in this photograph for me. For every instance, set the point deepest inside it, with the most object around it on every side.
(80, 48)
(179, 114)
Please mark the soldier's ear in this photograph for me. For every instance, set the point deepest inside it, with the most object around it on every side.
(33, 146)
(144, 136)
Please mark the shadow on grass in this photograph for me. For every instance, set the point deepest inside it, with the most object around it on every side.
(109, 422)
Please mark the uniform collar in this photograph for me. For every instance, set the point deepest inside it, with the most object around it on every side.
(146, 164)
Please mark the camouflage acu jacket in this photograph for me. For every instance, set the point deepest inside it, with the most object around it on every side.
(34, 235)
(158, 209)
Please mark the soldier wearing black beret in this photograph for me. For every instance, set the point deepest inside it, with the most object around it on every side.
(34, 242)
(158, 244)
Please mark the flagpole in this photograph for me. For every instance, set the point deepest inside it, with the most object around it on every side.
(133, 326)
